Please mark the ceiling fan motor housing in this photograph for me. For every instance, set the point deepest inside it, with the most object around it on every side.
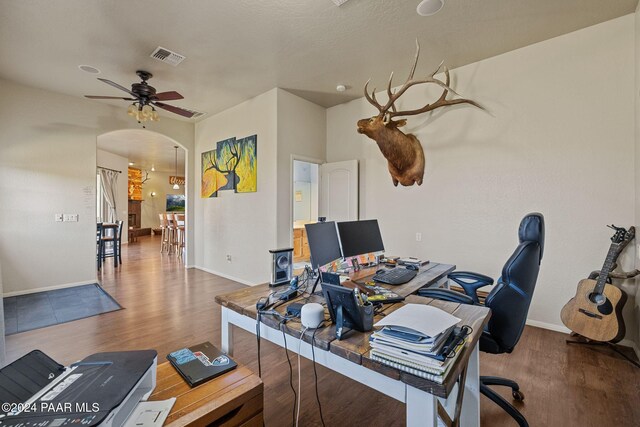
(143, 90)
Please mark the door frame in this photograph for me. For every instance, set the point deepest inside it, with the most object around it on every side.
(291, 195)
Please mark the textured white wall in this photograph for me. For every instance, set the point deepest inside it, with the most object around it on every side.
(302, 135)
(558, 139)
(242, 225)
(48, 166)
(247, 225)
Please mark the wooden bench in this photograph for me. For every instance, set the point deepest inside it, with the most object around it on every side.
(232, 399)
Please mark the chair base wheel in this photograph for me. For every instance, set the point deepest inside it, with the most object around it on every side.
(518, 395)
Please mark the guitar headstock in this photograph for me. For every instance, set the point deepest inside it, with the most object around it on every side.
(622, 234)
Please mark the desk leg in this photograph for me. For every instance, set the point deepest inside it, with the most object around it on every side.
(226, 332)
(470, 414)
(421, 409)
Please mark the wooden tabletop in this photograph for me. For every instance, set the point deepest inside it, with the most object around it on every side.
(355, 345)
(215, 400)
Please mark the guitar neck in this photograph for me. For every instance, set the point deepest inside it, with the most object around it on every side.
(608, 265)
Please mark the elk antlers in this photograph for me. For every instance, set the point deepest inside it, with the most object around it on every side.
(393, 96)
(404, 153)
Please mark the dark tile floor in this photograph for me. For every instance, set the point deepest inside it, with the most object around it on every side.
(26, 312)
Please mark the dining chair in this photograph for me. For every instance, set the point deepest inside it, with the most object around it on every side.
(99, 244)
(115, 240)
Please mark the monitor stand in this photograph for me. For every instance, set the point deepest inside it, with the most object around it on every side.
(315, 285)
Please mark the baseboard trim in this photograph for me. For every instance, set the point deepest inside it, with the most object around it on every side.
(226, 276)
(560, 328)
(549, 326)
(48, 288)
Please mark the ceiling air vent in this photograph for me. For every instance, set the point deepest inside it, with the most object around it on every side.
(165, 55)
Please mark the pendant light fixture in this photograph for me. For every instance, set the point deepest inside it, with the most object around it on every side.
(175, 184)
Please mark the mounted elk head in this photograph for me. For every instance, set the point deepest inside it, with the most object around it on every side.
(403, 151)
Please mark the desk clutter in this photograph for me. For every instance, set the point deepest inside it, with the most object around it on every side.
(419, 339)
(130, 389)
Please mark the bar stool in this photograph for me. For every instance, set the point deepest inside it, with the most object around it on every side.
(164, 226)
(178, 220)
(172, 232)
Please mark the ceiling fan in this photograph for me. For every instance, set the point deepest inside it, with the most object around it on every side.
(145, 98)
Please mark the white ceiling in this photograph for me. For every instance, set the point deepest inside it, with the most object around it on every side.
(145, 148)
(237, 49)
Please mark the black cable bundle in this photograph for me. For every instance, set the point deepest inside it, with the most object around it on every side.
(315, 373)
(295, 395)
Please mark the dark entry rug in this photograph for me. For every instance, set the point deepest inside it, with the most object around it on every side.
(34, 311)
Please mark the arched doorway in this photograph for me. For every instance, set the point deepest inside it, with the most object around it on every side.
(147, 164)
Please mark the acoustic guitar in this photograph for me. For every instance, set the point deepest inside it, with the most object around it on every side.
(596, 310)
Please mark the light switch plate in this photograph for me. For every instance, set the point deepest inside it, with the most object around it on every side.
(70, 217)
(58, 217)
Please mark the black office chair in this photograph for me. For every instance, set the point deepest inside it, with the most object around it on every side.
(509, 303)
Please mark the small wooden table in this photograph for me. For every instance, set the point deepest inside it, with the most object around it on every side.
(232, 399)
(455, 401)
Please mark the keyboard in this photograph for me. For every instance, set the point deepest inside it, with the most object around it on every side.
(396, 276)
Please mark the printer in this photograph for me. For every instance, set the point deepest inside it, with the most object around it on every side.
(100, 390)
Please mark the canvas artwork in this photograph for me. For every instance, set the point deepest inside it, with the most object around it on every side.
(232, 165)
(176, 202)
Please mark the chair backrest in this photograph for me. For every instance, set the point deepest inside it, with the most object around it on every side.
(510, 299)
(120, 223)
(163, 220)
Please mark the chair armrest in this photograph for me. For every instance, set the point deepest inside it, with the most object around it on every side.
(446, 295)
(470, 282)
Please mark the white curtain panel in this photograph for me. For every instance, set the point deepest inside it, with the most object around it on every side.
(109, 190)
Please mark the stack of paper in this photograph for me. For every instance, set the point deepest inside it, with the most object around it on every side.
(419, 339)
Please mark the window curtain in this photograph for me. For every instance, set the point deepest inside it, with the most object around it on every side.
(108, 180)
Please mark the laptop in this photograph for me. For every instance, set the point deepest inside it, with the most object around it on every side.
(200, 363)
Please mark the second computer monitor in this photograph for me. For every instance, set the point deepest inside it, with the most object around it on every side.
(360, 237)
(323, 243)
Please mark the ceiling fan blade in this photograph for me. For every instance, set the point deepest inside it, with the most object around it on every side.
(176, 110)
(116, 85)
(108, 97)
(168, 96)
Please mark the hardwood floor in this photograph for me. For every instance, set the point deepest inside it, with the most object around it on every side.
(168, 307)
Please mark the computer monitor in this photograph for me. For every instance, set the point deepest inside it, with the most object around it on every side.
(360, 237)
(324, 244)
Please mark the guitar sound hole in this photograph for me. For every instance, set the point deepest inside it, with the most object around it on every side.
(604, 305)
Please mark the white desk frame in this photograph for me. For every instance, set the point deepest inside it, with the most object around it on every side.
(421, 407)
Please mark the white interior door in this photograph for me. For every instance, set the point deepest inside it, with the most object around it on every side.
(339, 191)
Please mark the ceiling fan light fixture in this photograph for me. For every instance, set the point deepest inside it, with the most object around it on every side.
(132, 110)
(146, 112)
(429, 7)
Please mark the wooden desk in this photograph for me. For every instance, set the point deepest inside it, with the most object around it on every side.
(425, 400)
(233, 399)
